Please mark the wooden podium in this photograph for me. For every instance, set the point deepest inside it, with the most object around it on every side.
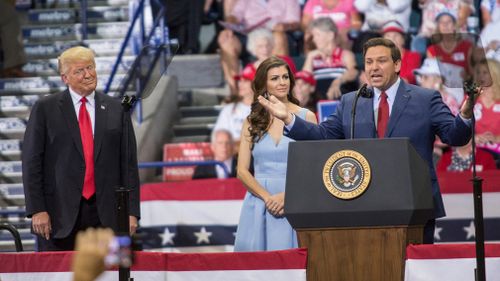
(364, 237)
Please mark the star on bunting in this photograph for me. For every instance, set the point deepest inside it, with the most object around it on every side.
(203, 236)
(470, 230)
(437, 233)
(167, 237)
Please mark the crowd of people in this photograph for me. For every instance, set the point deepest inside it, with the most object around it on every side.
(342, 45)
(327, 61)
(272, 103)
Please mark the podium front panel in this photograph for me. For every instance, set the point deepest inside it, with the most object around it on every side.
(399, 191)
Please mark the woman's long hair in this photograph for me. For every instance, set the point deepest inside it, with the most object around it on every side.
(259, 118)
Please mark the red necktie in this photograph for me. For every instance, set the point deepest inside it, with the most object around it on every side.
(383, 115)
(88, 150)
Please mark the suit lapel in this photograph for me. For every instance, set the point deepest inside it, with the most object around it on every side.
(68, 111)
(233, 167)
(400, 102)
(100, 123)
(366, 105)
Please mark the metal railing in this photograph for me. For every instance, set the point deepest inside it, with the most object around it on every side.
(145, 165)
(156, 49)
(142, 165)
(84, 19)
(15, 234)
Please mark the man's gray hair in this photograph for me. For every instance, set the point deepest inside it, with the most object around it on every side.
(219, 131)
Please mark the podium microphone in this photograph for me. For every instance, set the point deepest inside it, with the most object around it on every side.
(365, 92)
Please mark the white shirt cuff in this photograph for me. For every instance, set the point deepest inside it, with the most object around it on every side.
(467, 122)
(290, 126)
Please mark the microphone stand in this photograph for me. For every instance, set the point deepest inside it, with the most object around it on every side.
(122, 193)
(480, 270)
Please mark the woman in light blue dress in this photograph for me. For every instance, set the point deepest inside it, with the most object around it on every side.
(262, 225)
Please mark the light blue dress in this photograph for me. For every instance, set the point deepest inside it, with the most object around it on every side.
(258, 230)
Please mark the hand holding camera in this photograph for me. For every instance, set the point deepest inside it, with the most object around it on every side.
(91, 249)
(97, 250)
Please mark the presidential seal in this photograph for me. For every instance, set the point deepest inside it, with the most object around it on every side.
(346, 174)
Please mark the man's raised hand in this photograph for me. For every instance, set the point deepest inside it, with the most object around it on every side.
(276, 108)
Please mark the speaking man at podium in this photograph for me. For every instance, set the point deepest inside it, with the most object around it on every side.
(396, 109)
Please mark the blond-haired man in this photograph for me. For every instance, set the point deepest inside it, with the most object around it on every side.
(74, 157)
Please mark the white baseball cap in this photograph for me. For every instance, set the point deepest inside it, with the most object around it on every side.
(429, 67)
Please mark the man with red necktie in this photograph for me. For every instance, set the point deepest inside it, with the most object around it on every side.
(397, 109)
(74, 158)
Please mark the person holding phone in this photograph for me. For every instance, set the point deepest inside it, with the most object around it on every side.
(262, 225)
(92, 248)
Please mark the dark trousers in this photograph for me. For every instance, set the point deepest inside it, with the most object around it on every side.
(87, 217)
(183, 18)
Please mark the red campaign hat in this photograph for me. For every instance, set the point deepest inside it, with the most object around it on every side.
(248, 73)
(393, 26)
(307, 76)
(290, 63)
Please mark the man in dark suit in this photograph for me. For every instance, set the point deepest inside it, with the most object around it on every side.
(410, 111)
(74, 157)
(222, 145)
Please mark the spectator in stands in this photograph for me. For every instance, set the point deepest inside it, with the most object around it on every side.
(222, 146)
(332, 66)
(262, 225)
(342, 12)
(215, 10)
(487, 108)
(278, 16)
(74, 157)
(376, 14)
(452, 51)
(393, 31)
(462, 9)
(11, 41)
(260, 45)
(183, 19)
(459, 159)
(233, 114)
(305, 90)
(490, 11)
(430, 77)
(90, 252)
(490, 38)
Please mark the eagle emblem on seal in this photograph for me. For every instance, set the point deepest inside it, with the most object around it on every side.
(347, 174)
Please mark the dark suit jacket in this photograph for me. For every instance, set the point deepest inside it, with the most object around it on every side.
(54, 166)
(208, 171)
(418, 114)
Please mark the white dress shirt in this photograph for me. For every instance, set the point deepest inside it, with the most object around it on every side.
(391, 96)
(220, 171)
